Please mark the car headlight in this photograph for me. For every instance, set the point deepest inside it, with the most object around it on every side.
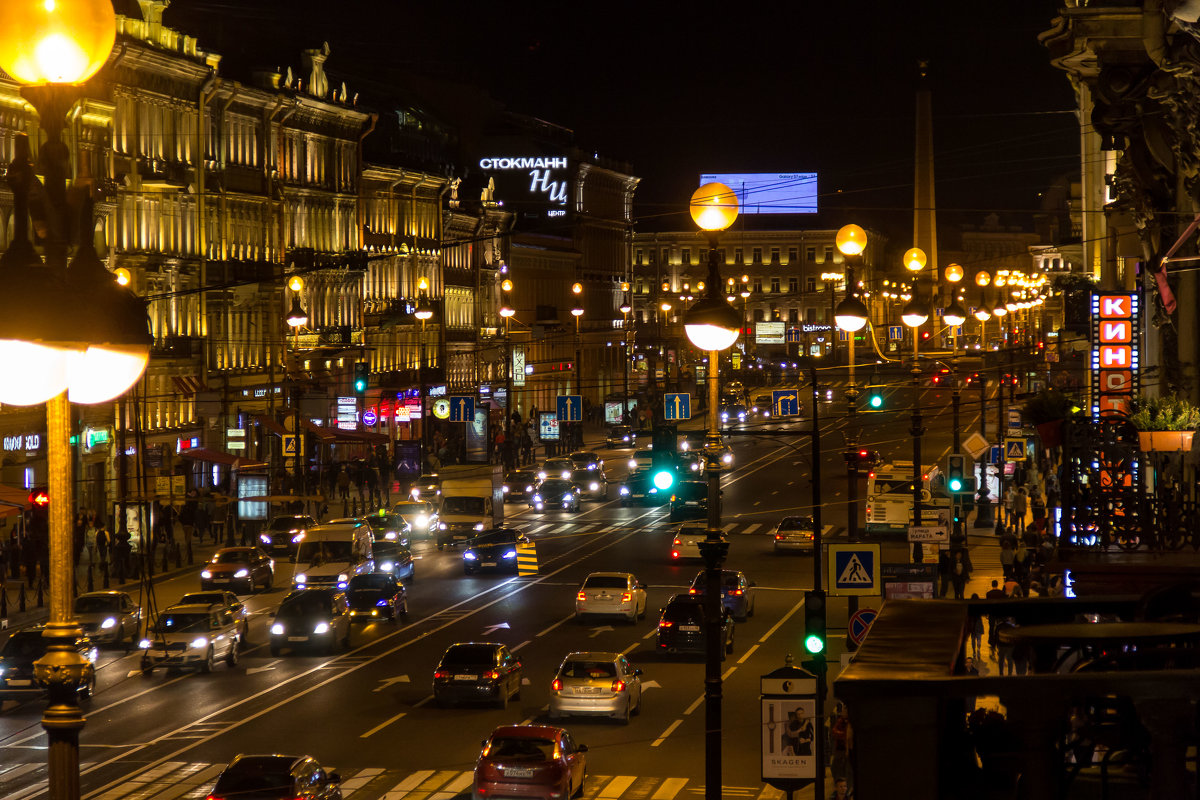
(624, 438)
(727, 458)
(741, 417)
(264, 538)
(242, 573)
(511, 554)
(390, 536)
(277, 629)
(145, 644)
(695, 467)
(343, 577)
(633, 463)
(301, 578)
(623, 490)
(296, 539)
(593, 486)
(422, 521)
(386, 566)
(566, 475)
(205, 574)
(478, 526)
(528, 488)
(321, 627)
(724, 417)
(199, 643)
(537, 498)
(441, 526)
(469, 556)
(653, 490)
(109, 622)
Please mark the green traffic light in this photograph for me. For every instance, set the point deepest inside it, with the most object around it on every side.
(814, 644)
(664, 479)
(360, 385)
(876, 401)
(955, 484)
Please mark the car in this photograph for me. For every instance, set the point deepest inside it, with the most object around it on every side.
(586, 459)
(421, 516)
(316, 617)
(226, 600)
(690, 464)
(192, 636)
(110, 618)
(245, 567)
(556, 468)
(552, 493)
(519, 483)
(495, 549)
(737, 592)
(611, 593)
(592, 484)
(540, 762)
(28, 645)
(733, 413)
(763, 404)
(428, 487)
(389, 528)
(692, 441)
(689, 500)
(686, 542)
(477, 672)
(394, 558)
(389, 542)
(283, 534)
(642, 459)
(376, 594)
(638, 487)
(276, 777)
(681, 626)
(795, 533)
(621, 436)
(596, 684)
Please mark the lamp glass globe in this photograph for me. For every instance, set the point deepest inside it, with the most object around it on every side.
(101, 373)
(710, 337)
(55, 41)
(914, 259)
(33, 372)
(714, 206)
(851, 240)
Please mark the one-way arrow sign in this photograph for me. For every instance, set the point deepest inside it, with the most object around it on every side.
(494, 628)
(264, 668)
(386, 682)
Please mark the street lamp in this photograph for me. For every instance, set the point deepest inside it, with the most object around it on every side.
(914, 315)
(67, 332)
(625, 308)
(577, 312)
(712, 325)
(423, 312)
(851, 316)
(506, 313)
(296, 318)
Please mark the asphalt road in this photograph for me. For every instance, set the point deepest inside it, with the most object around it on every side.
(368, 711)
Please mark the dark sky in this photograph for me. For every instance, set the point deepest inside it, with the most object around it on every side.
(676, 90)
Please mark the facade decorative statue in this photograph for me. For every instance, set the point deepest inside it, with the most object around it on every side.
(314, 61)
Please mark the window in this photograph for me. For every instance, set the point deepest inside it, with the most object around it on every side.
(793, 315)
(637, 258)
(792, 255)
(775, 285)
(758, 315)
(774, 255)
(721, 255)
(810, 284)
(758, 285)
(737, 255)
(687, 256)
(810, 253)
(775, 315)
(652, 256)
(810, 315)
(828, 254)
(666, 255)
(758, 255)
(793, 285)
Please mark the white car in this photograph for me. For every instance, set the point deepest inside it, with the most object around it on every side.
(615, 593)
(686, 543)
(191, 636)
(794, 533)
(421, 516)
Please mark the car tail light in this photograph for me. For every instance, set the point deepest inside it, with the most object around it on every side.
(581, 596)
(492, 675)
(666, 623)
(556, 684)
(626, 597)
(674, 554)
(441, 674)
(735, 591)
(693, 590)
(778, 536)
(214, 797)
(618, 685)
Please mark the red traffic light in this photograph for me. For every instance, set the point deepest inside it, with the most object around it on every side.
(863, 453)
(39, 497)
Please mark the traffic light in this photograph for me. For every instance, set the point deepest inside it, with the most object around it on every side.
(662, 457)
(362, 373)
(814, 622)
(874, 400)
(39, 511)
(956, 473)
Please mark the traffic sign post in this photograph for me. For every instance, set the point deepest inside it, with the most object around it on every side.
(570, 408)
(1014, 449)
(785, 403)
(854, 569)
(859, 624)
(462, 408)
(290, 447)
(792, 745)
(677, 406)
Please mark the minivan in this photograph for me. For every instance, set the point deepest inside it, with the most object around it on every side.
(330, 555)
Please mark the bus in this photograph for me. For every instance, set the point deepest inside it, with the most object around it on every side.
(890, 498)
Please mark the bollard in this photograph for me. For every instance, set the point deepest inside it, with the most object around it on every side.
(91, 580)
(104, 574)
(178, 555)
(21, 599)
(166, 564)
(41, 600)
(190, 557)
(3, 602)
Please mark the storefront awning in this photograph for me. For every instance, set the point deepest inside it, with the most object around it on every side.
(270, 424)
(338, 436)
(13, 500)
(225, 459)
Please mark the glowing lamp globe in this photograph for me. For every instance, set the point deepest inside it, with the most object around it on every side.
(914, 314)
(296, 316)
(1000, 310)
(914, 259)
(850, 314)
(714, 207)
(102, 373)
(955, 314)
(851, 240)
(55, 41)
(983, 278)
(712, 324)
(983, 313)
(295, 283)
(42, 370)
(953, 273)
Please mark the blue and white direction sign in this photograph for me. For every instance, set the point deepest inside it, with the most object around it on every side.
(570, 408)
(996, 454)
(792, 335)
(854, 569)
(895, 332)
(462, 408)
(677, 405)
(785, 402)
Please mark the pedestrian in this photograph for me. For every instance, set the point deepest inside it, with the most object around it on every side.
(841, 790)
(1037, 506)
(204, 512)
(89, 539)
(187, 515)
(79, 536)
(969, 667)
(1007, 556)
(103, 542)
(840, 736)
(1009, 497)
(343, 484)
(122, 554)
(994, 594)
(1006, 649)
(976, 631)
(960, 572)
(944, 569)
(1019, 506)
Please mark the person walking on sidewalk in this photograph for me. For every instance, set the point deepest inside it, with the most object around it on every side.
(960, 572)
(1009, 496)
(1020, 505)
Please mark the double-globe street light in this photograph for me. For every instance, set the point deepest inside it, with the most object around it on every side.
(506, 313)
(851, 316)
(916, 314)
(577, 312)
(423, 313)
(68, 332)
(712, 325)
(296, 319)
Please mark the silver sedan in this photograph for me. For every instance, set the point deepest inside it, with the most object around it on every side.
(596, 684)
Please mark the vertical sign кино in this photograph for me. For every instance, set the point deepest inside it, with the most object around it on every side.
(1116, 336)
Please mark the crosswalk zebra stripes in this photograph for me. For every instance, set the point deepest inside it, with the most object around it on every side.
(563, 528)
(182, 780)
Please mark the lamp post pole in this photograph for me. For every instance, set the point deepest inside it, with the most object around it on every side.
(818, 579)
(915, 315)
(423, 312)
(851, 316)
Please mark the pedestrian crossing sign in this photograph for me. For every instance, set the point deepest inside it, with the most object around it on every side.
(1014, 449)
(854, 569)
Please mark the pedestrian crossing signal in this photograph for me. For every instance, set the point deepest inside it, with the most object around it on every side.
(874, 401)
(362, 371)
(956, 472)
(814, 621)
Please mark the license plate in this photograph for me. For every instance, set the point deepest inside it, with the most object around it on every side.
(488, 564)
(465, 677)
(19, 682)
(220, 580)
(297, 638)
(690, 628)
(587, 690)
(518, 772)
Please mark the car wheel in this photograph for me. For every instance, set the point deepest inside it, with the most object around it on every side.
(269, 583)
(637, 710)
(750, 613)
(119, 639)
(147, 668)
(244, 635)
(275, 651)
(729, 646)
(502, 700)
(624, 717)
(206, 666)
(579, 788)
(633, 617)
(743, 617)
(231, 658)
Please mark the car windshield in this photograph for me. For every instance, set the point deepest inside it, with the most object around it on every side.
(374, 581)
(26, 644)
(494, 537)
(589, 669)
(202, 599)
(584, 475)
(606, 582)
(729, 580)
(620, 430)
(584, 458)
(388, 522)
(305, 604)
(470, 654)
(408, 509)
(684, 613)
(288, 524)
(316, 553)
(521, 749)
(523, 475)
(231, 557)
(96, 605)
(558, 464)
(171, 622)
(554, 487)
(464, 505)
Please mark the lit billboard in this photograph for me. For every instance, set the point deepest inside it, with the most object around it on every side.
(1116, 336)
(768, 333)
(534, 185)
(770, 192)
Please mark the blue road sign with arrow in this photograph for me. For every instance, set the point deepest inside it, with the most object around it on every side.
(678, 405)
(792, 335)
(570, 408)
(895, 333)
(785, 402)
(462, 408)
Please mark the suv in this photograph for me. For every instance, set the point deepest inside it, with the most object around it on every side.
(311, 617)
(191, 636)
(225, 600)
(25, 647)
(681, 626)
(283, 534)
(477, 671)
(109, 617)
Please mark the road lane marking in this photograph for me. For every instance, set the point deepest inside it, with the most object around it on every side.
(405, 786)
(695, 704)
(652, 632)
(752, 527)
(669, 788)
(567, 618)
(728, 672)
(631, 648)
(518, 647)
(748, 653)
(670, 729)
(617, 786)
(423, 701)
(785, 618)
(360, 779)
(454, 788)
(383, 725)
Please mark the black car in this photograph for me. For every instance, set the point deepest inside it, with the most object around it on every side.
(283, 534)
(376, 594)
(394, 558)
(276, 777)
(390, 528)
(25, 647)
(518, 484)
(621, 436)
(689, 500)
(591, 483)
(681, 626)
(495, 549)
(477, 672)
(638, 487)
(319, 617)
(553, 493)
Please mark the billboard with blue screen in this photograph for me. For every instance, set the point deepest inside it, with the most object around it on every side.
(770, 192)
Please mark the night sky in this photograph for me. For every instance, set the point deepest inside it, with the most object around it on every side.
(764, 86)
